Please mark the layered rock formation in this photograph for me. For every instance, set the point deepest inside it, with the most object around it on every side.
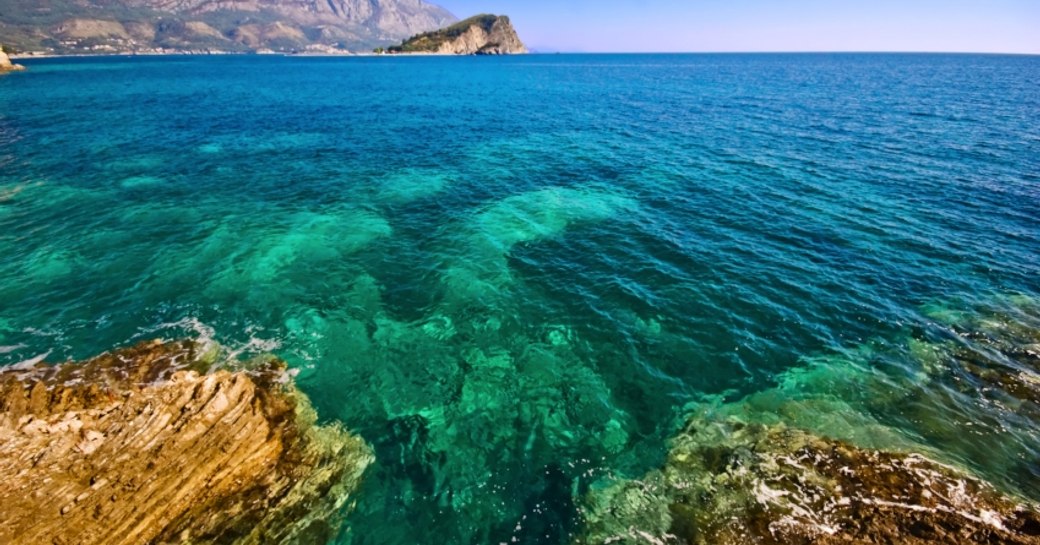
(479, 35)
(147, 445)
(726, 482)
(125, 26)
(6, 65)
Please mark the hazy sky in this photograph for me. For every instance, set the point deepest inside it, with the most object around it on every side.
(1011, 26)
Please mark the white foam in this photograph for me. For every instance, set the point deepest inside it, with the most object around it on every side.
(10, 348)
(204, 334)
(27, 365)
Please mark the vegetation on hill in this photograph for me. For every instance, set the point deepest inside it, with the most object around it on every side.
(431, 41)
(128, 26)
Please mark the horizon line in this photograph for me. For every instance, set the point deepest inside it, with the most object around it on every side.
(538, 51)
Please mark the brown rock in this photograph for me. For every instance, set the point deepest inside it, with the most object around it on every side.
(730, 483)
(146, 445)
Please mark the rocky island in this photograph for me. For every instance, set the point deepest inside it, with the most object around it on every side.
(478, 35)
(150, 444)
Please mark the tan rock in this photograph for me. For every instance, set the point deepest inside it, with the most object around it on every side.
(479, 35)
(146, 445)
(7, 66)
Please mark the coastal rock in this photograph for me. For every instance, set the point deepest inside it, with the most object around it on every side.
(479, 35)
(1012, 334)
(6, 65)
(726, 482)
(148, 445)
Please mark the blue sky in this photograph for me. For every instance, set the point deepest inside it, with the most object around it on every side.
(1011, 26)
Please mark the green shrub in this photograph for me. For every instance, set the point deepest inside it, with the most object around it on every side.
(430, 41)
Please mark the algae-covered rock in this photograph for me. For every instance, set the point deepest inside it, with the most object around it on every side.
(727, 482)
(996, 354)
(843, 448)
(149, 445)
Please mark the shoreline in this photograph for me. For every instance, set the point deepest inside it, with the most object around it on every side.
(22, 56)
(96, 450)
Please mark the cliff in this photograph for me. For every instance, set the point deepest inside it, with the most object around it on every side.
(148, 26)
(479, 35)
(147, 445)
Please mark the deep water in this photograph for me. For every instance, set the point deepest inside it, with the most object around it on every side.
(514, 276)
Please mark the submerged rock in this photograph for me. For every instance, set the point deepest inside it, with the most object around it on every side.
(726, 482)
(148, 445)
(996, 356)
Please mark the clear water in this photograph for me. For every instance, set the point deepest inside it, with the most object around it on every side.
(513, 276)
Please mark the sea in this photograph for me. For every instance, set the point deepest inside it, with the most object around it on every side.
(515, 277)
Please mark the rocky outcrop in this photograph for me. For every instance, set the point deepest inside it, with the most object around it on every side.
(148, 445)
(726, 482)
(126, 26)
(810, 461)
(479, 35)
(6, 65)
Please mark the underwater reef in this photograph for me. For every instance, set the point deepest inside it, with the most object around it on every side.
(727, 482)
(157, 444)
(490, 427)
(821, 458)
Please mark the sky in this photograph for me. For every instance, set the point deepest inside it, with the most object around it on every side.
(983, 26)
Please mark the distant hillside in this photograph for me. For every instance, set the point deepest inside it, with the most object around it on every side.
(479, 35)
(99, 26)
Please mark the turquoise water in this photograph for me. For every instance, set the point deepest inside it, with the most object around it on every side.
(514, 276)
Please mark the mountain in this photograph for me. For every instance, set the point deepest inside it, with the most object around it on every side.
(123, 26)
(479, 35)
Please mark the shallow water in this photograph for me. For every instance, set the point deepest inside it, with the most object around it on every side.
(514, 276)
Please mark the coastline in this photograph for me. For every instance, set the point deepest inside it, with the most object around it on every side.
(22, 56)
(169, 441)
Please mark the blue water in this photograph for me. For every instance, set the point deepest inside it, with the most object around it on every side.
(514, 276)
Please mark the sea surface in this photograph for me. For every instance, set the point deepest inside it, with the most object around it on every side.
(515, 276)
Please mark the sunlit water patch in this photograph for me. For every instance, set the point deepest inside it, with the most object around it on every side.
(517, 277)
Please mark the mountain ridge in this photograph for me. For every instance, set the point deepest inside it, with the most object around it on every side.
(171, 26)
